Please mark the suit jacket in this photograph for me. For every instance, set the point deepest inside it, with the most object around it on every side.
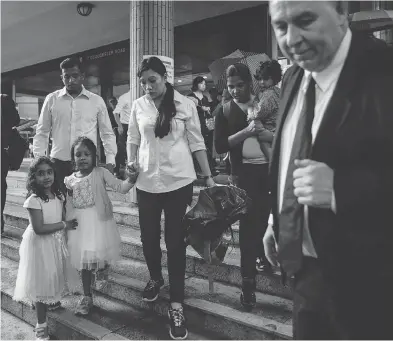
(355, 139)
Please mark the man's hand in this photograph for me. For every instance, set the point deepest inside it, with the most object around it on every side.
(313, 182)
(110, 167)
(270, 246)
(120, 129)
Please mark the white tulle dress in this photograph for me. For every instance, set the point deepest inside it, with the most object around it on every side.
(42, 265)
(95, 243)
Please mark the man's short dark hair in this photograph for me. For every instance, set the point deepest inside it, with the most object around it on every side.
(341, 6)
(71, 62)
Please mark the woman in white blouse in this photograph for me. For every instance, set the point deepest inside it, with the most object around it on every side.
(163, 133)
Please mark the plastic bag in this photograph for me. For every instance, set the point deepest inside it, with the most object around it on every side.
(211, 218)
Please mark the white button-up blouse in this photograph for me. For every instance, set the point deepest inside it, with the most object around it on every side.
(166, 163)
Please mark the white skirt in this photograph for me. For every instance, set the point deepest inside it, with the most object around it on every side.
(41, 273)
(94, 243)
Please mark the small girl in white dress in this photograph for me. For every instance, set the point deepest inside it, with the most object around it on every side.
(96, 242)
(41, 274)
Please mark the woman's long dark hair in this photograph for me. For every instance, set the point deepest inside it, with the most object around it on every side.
(167, 109)
(31, 184)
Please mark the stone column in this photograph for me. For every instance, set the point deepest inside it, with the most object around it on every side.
(151, 33)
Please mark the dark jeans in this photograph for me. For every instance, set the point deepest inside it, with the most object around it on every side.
(4, 172)
(63, 169)
(254, 180)
(360, 306)
(174, 205)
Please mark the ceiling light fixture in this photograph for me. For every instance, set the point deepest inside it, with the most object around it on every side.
(84, 8)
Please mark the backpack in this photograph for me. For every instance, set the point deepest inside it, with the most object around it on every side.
(16, 149)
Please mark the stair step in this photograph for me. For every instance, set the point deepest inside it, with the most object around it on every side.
(13, 328)
(124, 213)
(62, 323)
(109, 319)
(220, 312)
(131, 247)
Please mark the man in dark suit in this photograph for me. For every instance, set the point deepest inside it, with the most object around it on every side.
(331, 174)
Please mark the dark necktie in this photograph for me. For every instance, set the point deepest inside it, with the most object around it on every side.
(291, 220)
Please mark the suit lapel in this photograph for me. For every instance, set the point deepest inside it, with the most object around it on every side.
(288, 94)
(338, 109)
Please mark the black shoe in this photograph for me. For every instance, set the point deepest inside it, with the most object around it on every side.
(178, 329)
(54, 306)
(152, 290)
(263, 266)
(247, 297)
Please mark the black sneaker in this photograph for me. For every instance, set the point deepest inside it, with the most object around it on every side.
(152, 290)
(54, 306)
(178, 329)
(247, 297)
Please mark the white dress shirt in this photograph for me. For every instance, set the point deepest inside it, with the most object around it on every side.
(67, 118)
(166, 163)
(326, 81)
(123, 107)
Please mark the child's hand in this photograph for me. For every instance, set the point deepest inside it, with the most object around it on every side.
(132, 171)
(71, 224)
(259, 125)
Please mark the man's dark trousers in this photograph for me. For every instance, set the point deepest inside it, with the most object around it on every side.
(122, 145)
(63, 169)
(338, 308)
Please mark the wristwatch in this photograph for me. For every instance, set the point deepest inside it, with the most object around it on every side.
(207, 177)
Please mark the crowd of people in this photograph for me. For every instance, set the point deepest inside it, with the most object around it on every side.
(314, 157)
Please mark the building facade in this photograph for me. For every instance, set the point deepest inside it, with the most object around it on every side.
(198, 33)
(113, 39)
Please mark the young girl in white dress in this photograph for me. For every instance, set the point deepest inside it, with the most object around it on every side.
(96, 242)
(41, 274)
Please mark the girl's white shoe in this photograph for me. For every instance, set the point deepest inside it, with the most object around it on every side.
(41, 333)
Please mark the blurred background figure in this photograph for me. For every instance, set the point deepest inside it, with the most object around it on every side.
(9, 119)
(112, 103)
(122, 116)
(205, 117)
(214, 96)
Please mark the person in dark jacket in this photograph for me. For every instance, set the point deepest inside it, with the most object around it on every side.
(249, 170)
(9, 119)
(204, 113)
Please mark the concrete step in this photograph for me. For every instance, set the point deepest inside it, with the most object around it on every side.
(220, 312)
(16, 218)
(62, 323)
(17, 179)
(13, 328)
(109, 319)
(124, 213)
